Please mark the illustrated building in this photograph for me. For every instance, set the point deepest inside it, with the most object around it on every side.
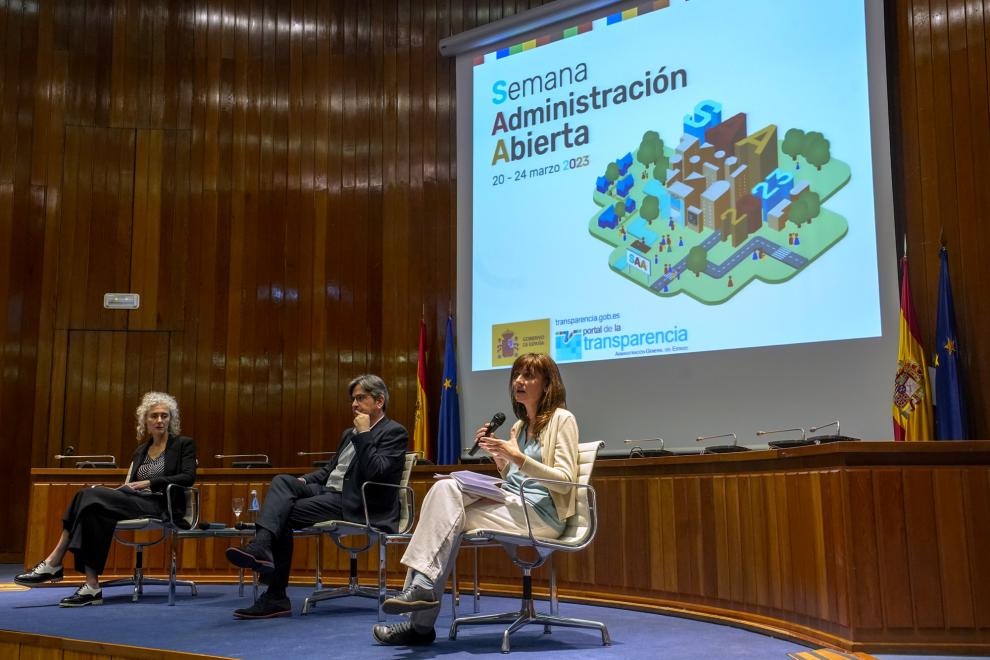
(725, 136)
(759, 152)
(607, 218)
(625, 163)
(624, 185)
(715, 202)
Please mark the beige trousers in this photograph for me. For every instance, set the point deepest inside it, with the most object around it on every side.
(447, 511)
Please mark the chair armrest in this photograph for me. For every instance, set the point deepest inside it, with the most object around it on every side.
(186, 490)
(593, 519)
(409, 492)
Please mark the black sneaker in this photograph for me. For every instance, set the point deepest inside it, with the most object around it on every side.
(266, 607)
(413, 599)
(253, 556)
(40, 574)
(83, 596)
(402, 634)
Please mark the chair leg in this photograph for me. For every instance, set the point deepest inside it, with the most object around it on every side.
(319, 557)
(455, 587)
(138, 574)
(567, 622)
(554, 599)
(353, 588)
(477, 593)
(527, 614)
(138, 579)
(171, 572)
(382, 591)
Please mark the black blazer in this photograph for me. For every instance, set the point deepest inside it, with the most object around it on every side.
(380, 455)
(180, 467)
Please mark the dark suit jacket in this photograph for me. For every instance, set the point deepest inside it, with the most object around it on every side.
(379, 456)
(180, 467)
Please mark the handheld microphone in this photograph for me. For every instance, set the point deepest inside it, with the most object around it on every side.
(497, 420)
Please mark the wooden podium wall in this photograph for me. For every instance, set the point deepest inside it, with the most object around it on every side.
(878, 547)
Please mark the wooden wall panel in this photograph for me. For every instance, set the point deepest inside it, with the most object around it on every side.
(940, 129)
(105, 375)
(277, 180)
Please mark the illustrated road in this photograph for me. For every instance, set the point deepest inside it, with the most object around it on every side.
(717, 271)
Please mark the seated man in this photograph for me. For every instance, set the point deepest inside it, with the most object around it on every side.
(372, 450)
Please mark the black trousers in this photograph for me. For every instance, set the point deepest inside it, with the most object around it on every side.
(291, 504)
(92, 516)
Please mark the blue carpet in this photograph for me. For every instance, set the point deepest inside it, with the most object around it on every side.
(204, 625)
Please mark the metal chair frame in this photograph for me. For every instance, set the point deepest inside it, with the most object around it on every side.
(167, 529)
(337, 530)
(544, 548)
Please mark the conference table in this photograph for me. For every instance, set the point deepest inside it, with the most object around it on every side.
(864, 546)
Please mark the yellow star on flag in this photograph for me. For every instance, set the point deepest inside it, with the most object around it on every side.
(950, 345)
(446, 383)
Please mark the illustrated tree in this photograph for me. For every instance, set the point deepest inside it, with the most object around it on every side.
(697, 260)
(660, 166)
(647, 153)
(650, 152)
(650, 208)
(816, 149)
(620, 210)
(793, 144)
(798, 211)
(805, 208)
(814, 202)
(612, 173)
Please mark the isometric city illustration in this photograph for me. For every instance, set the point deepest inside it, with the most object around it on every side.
(722, 208)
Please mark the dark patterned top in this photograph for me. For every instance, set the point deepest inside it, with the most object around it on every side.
(151, 468)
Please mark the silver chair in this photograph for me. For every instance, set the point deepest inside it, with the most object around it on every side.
(340, 529)
(168, 529)
(578, 534)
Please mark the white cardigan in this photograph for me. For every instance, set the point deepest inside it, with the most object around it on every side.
(559, 452)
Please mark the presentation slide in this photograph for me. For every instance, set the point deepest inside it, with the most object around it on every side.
(672, 179)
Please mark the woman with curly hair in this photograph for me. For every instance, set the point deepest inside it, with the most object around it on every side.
(162, 457)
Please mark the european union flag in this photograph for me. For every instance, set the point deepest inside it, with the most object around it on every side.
(449, 435)
(950, 405)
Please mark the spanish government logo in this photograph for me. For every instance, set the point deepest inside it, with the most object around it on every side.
(510, 340)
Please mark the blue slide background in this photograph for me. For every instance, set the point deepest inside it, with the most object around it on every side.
(798, 64)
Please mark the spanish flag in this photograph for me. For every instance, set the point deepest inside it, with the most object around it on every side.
(912, 409)
(421, 431)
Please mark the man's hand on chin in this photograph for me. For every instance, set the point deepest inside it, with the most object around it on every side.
(362, 423)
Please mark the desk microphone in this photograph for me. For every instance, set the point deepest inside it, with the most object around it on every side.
(211, 525)
(496, 422)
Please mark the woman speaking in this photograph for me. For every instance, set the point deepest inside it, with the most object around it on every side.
(543, 444)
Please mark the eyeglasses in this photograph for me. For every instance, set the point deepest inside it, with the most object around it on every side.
(361, 397)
